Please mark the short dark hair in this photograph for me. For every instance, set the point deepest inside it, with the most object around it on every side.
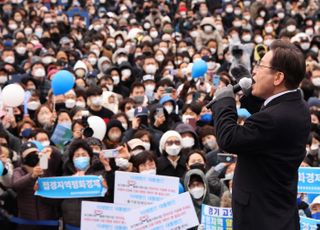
(136, 85)
(142, 158)
(287, 58)
(196, 151)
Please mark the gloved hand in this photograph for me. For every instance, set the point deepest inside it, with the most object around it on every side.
(224, 92)
(239, 72)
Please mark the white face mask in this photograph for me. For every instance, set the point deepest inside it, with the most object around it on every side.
(45, 143)
(116, 80)
(268, 29)
(92, 60)
(258, 39)
(211, 144)
(173, 150)
(316, 81)
(305, 45)
(146, 145)
(125, 74)
(40, 72)
(70, 103)
(159, 58)
(315, 49)
(151, 69)
(97, 101)
(21, 50)
(33, 105)
(291, 28)
(119, 42)
(9, 59)
(130, 114)
(169, 108)
(164, 49)
(81, 104)
(260, 22)
(197, 192)
(187, 142)
(47, 60)
(154, 34)
(207, 29)
(149, 172)
(122, 163)
(185, 118)
(121, 59)
(268, 42)
(246, 37)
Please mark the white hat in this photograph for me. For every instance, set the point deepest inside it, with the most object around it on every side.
(165, 136)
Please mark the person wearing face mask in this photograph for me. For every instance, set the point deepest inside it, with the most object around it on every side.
(80, 163)
(94, 102)
(44, 117)
(208, 32)
(189, 137)
(120, 56)
(30, 206)
(116, 75)
(196, 183)
(140, 122)
(38, 72)
(114, 134)
(80, 69)
(290, 28)
(196, 159)
(150, 65)
(145, 162)
(128, 75)
(209, 143)
(313, 152)
(165, 116)
(171, 162)
(20, 51)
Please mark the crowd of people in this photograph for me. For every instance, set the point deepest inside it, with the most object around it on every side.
(132, 62)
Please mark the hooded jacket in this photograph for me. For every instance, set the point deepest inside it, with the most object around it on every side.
(207, 198)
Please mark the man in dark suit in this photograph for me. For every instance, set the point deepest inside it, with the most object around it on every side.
(271, 143)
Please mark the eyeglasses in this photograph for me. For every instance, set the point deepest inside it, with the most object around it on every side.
(258, 65)
(173, 142)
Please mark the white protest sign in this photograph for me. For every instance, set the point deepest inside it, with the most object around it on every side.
(136, 190)
(98, 215)
(176, 212)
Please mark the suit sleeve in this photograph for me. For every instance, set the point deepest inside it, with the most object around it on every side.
(256, 133)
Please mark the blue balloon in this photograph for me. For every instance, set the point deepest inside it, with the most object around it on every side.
(62, 82)
(199, 68)
(1, 168)
(181, 188)
(38, 144)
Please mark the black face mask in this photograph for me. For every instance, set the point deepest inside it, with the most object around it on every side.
(198, 166)
(31, 159)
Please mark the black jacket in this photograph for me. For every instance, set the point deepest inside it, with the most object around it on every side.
(270, 147)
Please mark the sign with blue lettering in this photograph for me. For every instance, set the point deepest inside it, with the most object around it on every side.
(98, 215)
(309, 180)
(214, 218)
(71, 187)
(308, 223)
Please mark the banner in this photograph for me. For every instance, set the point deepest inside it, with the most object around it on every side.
(309, 180)
(308, 223)
(71, 187)
(136, 190)
(176, 212)
(98, 215)
(214, 218)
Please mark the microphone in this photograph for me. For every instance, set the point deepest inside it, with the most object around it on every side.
(244, 83)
